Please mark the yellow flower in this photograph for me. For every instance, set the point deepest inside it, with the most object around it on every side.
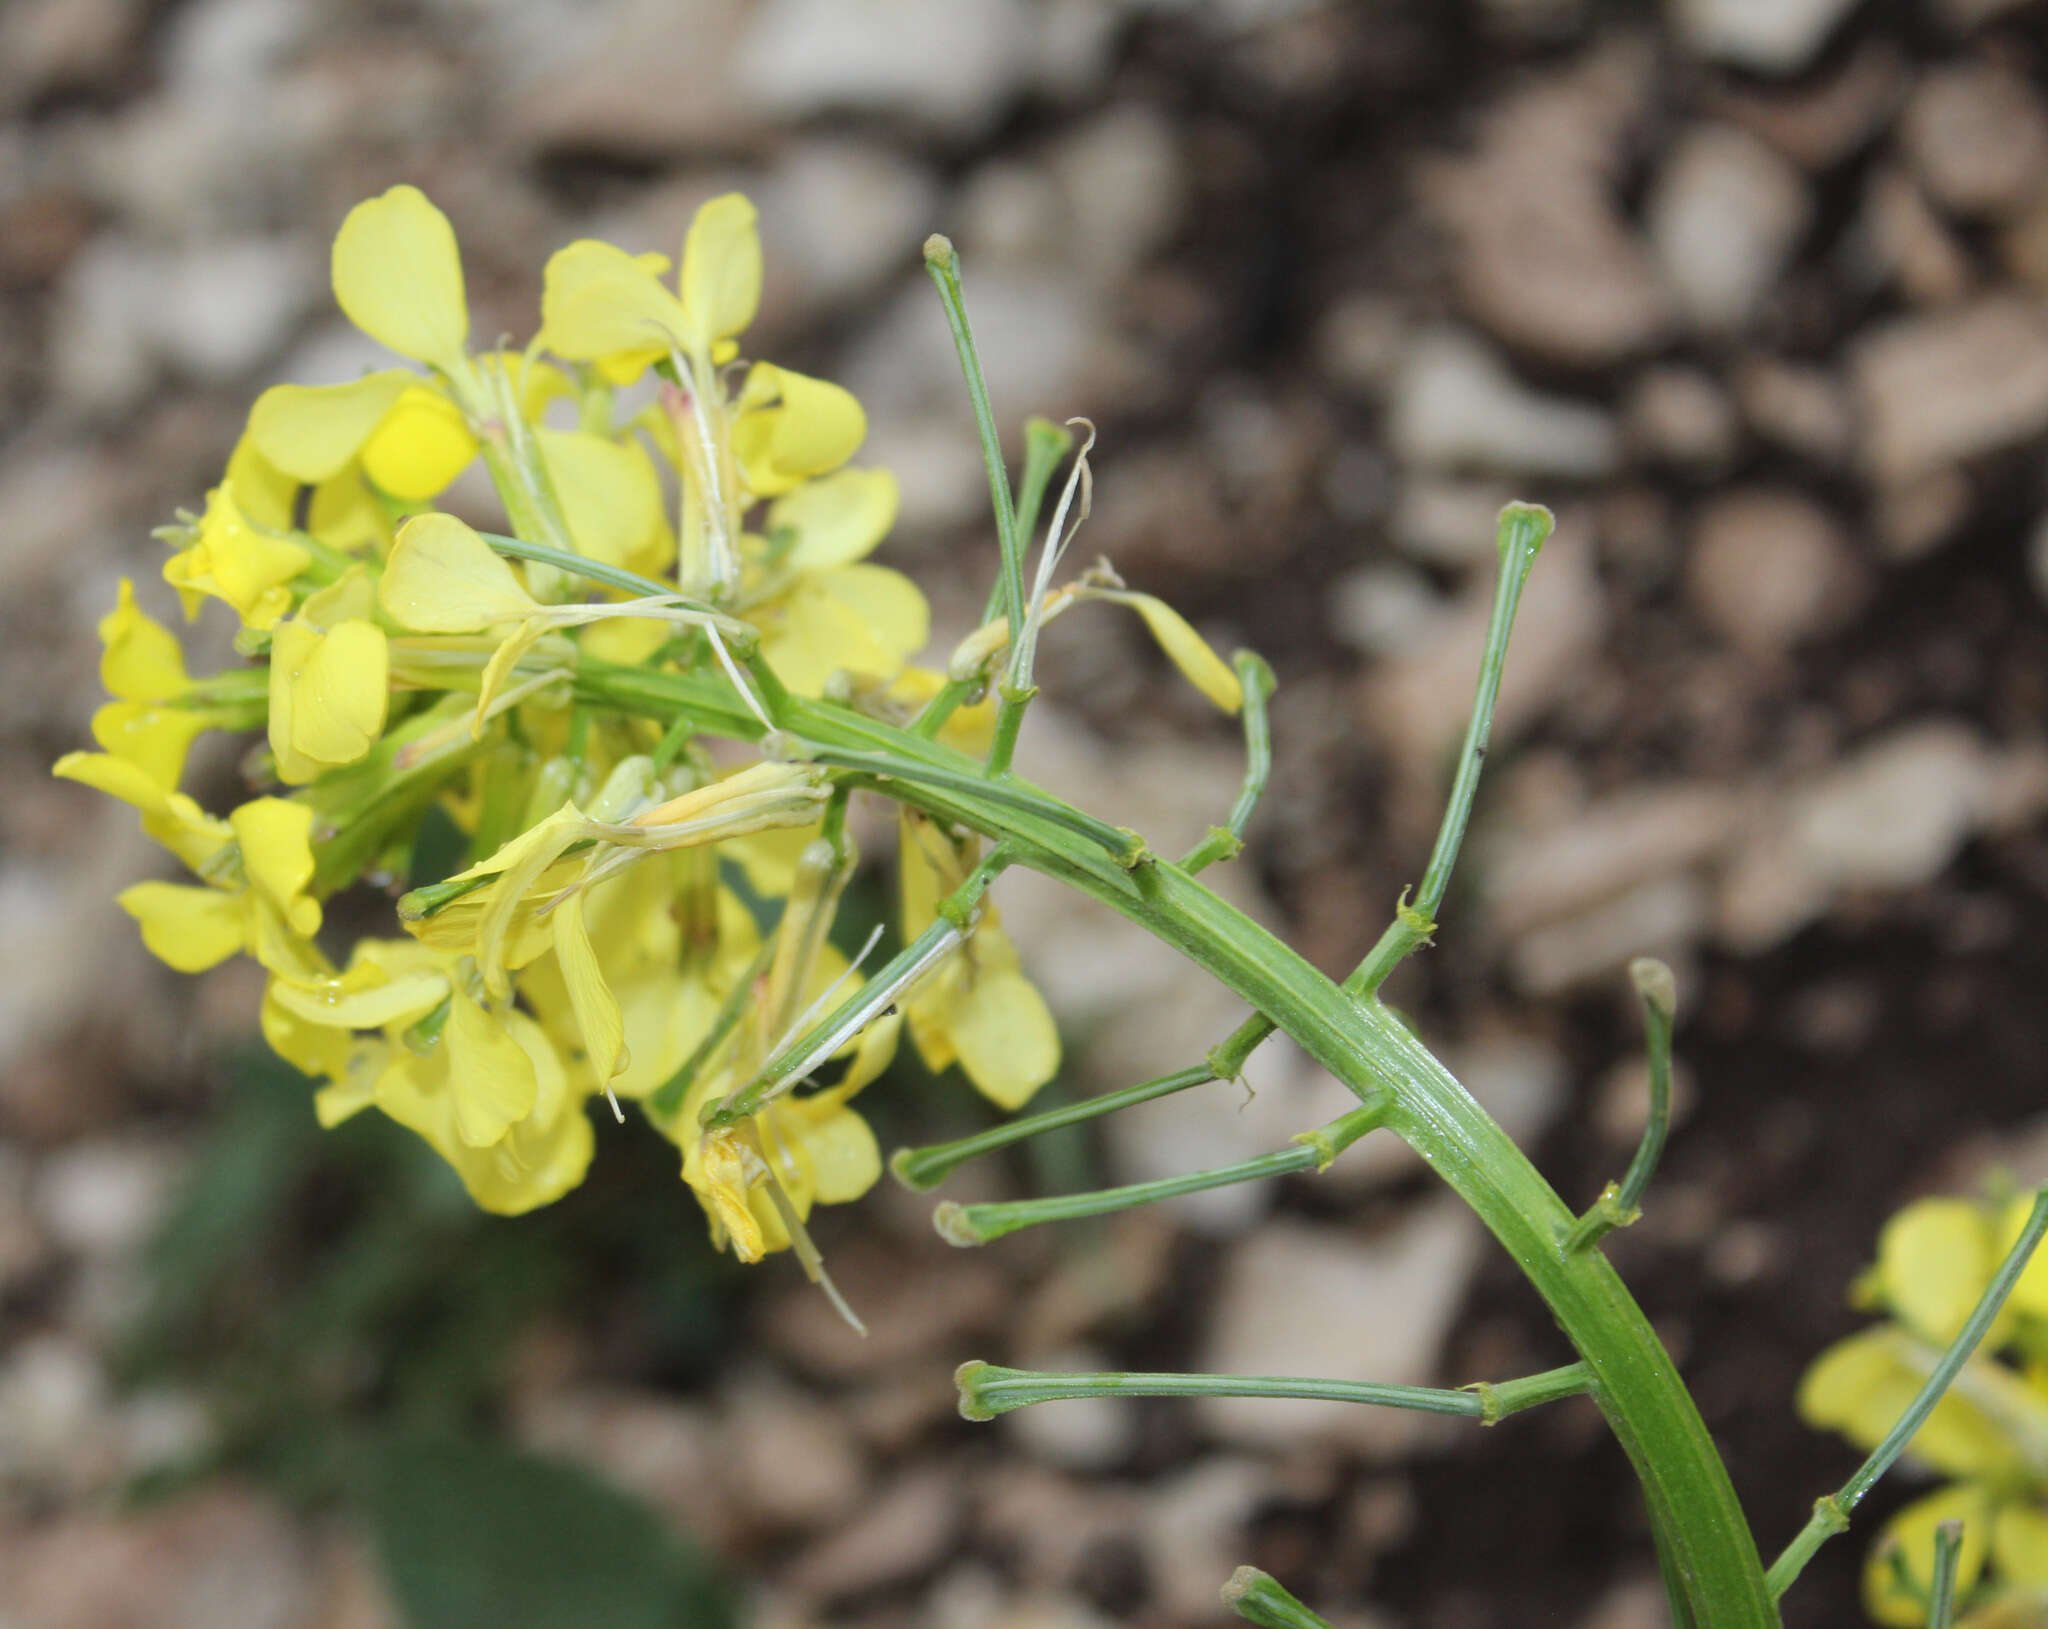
(142, 664)
(1909, 1537)
(329, 682)
(976, 1008)
(610, 497)
(1860, 1386)
(820, 608)
(605, 306)
(791, 428)
(405, 434)
(488, 1089)
(811, 1150)
(533, 901)
(235, 560)
(442, 578)
(493, 1070)
(398, 276)
(670, 944)
(256, 864)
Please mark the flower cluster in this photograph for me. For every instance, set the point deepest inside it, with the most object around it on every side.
(1988, 1434)
(639, 910)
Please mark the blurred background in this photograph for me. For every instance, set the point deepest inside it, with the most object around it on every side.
(1752, 293)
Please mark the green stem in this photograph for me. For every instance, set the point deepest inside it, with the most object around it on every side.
(881, 773)
(986, 1390)
(1226, 841)
(1618, 1206)
(1941, 1598)
(1312, 1151)
(943, 263)
(1831, 1511)
(924, 1168)
(1523, 530)
(1045, 444)
(1258, 1598)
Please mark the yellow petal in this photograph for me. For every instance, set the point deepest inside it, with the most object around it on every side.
(609, 492)
(345, 514)
(352, 1002)
(1910, 1535)
(2030, 1293)
(277, 856)
(721, 279)
(328, 696)
(720, 1178)
(597, 1010)
(267, 495)
(489, 1073)
(889, 605)
(154, 738)
(1934, 1259)
(1862, 1385)
(311, 432)
(313, 1049)
(422, 444)
(443, 578)
(1186, 649)
(142, 660)
(843, 1156)
(398, 275)
(236, 562)
(190, 928)
(2019, 1545)
(170, 817)
(815, 428)
(836, 519)
(857, 619)
(355, 1088)
(600, 302)
(1005, 1036)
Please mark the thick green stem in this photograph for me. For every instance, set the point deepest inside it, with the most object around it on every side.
(1712, 1556)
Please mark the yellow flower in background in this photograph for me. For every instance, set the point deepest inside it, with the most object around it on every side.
(1989, 1431)
(976, 1008)
(398, 275)
(1909, 1537)
(233, 559)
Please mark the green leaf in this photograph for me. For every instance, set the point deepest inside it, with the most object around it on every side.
(473, 1536)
